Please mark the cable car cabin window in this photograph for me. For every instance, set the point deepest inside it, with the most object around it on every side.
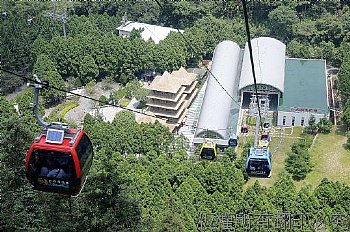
(84, 150)
(52, 164)
(208, 153)
(258, 165)
(265, 136)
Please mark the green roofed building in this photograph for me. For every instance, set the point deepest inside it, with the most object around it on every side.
(305, 92)
(295, 89)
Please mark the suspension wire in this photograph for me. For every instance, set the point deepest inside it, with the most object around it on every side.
(208, 70)
(251, 55)
(135, 111)
(46, 84)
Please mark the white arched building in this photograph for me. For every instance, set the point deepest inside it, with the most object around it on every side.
(297, 88)
(216, 107)
(269, 63)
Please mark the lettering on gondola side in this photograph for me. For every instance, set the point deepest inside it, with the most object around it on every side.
(42, 181)
(53, 183)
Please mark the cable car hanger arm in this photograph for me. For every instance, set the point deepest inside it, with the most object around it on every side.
(37, 88)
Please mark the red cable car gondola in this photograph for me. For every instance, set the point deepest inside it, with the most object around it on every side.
(59, 158)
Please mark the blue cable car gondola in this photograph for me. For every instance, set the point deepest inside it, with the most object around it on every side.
(233, 141)
(259, 162)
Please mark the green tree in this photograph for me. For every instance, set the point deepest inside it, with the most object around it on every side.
(258, 199)
(15, 137)
(346, 115)
(298, 162)
(324, 126)
(230, 153)
(88, 70)
(344, 79)
(284, 194)
(45, 69)
(24, 101)
(132, 88)
(90, 87)
(281, 20)
(312, 127)
(347, 145)
(103, 99)
(141, 95)
(9, 83)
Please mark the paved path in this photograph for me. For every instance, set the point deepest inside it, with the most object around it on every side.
(78, 113)
(86, 105)
(108, 112)
(18, 90)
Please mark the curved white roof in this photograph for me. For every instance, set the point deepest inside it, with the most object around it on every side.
(269, 63)
(215, 111)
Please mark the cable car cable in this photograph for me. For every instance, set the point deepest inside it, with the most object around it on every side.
(93, 99)
(76, 94)
(251, 55)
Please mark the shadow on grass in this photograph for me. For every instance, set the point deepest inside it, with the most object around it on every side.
(346, 146)
(298, 178)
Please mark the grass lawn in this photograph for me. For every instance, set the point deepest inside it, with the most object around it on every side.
(330, 159)
(59, 111)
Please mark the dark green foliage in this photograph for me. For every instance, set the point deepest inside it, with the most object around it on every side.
(347, 145)
(88, 70)
(284, 194)
(346, 115)
(9, 83)
(344, 78)
(298, 165)
(6, 109)
(141, 179)
(24, 101)
(246, 148)
(298, 162)
(324, 126)
(312, 127)
(282, 19)
(45, 69)
(230, 153)
(344, 87)
(103, 100)
(258, 199)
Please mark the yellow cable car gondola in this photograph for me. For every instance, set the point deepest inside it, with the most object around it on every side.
(209, 151)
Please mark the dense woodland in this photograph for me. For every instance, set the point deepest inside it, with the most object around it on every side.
(141, 178)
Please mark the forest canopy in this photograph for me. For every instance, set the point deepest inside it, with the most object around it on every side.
(141, 178)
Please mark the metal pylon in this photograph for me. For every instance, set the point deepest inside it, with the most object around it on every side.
(264, 103)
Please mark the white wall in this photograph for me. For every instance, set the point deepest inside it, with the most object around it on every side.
(298, 117)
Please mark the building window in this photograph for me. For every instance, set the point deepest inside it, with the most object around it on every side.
(293, 121)
(302, 121)
(284, 120)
